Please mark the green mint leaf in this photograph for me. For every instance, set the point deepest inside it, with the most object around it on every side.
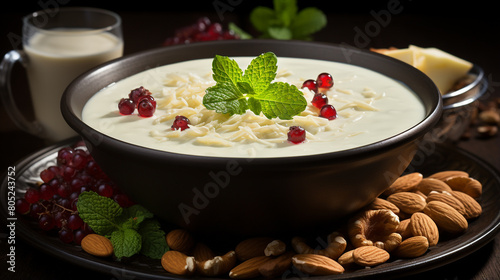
(98, 212)
(281, 100)
(263, 17)
(307, 22)
(126, 242)
(245, 88)
(285, 10)
(154, 244)
(261, 71)
(225, 98)
(254, 105)
(226, 70)
(238, 31)
(280, 33)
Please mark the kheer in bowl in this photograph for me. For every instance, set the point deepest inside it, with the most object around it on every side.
(234, 169)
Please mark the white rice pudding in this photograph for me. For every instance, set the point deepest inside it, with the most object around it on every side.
(371, 107)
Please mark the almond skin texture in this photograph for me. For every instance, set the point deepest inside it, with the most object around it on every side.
(430, 184)
(408, 202)
(178, 263)
(422, 225)
(180, 240)
(97, 245)
(466, 185)
(380, 203)
(276, 267)
(444, 175)
(446, 217)
(252, 247)
(202, 252)
(472, 208)
(404, 183)
(218, 265)
(249, 268)
(370, 256)
(447, 198)
(412, 247)
(313, 264)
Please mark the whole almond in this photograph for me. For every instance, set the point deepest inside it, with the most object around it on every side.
(97, 245)
(218, 265)
(180, 240)
(249, 268)
(422, 225)
(447, 198)
(403, 229)
(472, 208)
(466, 185)
(444, 175)
(314, 264)
(446, 217)
(430, 184)
(412, 247)
(370, 256)
(276, 267)
(404, 183)
(408, 202)
(252, 247)
(346, 258)
(380, 203)
(178, 263)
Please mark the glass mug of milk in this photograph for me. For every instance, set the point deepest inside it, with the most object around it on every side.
(58, 46)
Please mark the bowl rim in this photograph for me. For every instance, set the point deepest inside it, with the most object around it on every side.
(409, 135)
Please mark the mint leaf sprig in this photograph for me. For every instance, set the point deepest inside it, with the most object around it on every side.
(284, 21)
(131, 230)
(236, 91)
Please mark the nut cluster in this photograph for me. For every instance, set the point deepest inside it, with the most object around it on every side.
(485, 120)
(407, 219)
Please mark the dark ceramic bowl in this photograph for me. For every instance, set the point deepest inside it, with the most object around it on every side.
(251, 195)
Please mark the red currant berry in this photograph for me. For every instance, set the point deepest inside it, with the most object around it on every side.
(181, 123)
(75, 222)
(46, 222)
(324, 80)
(66, 235)
(22, 206)
(123, 200)
(32, 195)
(105, 190)
(126, 106)
(146, 108)
(311, 85)
(328, 112)
(296, 134)
(47, 175)
(138, 92)
(319, 100)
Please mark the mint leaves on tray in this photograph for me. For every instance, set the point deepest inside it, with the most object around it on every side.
(236, 91)
(131, 230)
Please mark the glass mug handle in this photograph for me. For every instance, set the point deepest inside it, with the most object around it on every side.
(7, 96)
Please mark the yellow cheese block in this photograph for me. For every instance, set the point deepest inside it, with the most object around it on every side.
(443, 68)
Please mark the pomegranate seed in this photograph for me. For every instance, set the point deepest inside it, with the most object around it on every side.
(319, 100)
(181, 123)
(324, 80)
(311, 85)
(138, 92)
(328, 112)
(296, 134)
(146, 107)
(126, 106)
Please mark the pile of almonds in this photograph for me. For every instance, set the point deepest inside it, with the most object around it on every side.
(485, 120)
(407, 219)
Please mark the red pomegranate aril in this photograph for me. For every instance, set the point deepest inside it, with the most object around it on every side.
(296, 134)
(328, 112)
(319, 100)
(311, 85)
(181, 123)
(126, 106)
(146, 108)
(324, 80)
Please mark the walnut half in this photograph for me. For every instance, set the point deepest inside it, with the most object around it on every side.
(375, 228)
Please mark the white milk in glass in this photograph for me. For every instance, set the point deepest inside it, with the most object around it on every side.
(55, 59)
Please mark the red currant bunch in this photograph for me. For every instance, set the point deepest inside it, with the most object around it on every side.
(140, 99)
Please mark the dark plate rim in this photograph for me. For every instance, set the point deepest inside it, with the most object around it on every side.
(397, 268)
